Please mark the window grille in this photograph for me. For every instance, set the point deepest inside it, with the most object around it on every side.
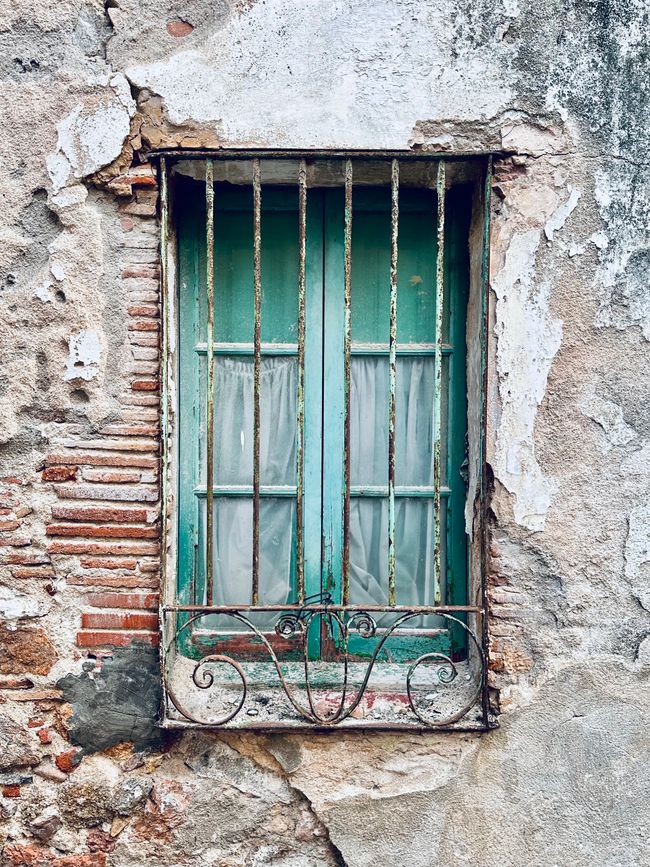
(323, 655)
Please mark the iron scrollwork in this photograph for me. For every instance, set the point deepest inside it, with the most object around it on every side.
(295, 625)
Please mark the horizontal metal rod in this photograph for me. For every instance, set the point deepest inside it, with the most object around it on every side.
(318, 154)
(383, 609)
(271, 349)
(400, 491)
(247, 491)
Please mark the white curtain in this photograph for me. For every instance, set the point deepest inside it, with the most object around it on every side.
(233, 458)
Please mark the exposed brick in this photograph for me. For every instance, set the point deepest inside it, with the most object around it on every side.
(33, 572)
(68, 760)
(34, 722)
(138, 209)
(119, 460)
(141, 413)
(22, 558)
(11, 791)
(179, 28)
(138, 338)
(111, 531)
(15, 682)
(25, 651)
(38, 695)
(113, 477)
(145, 430)
(6, 526)
(150, 565)
(144, 325)
(108, 492)
(143, 353)
(116, 580)
(122, 600)
(45, 736)
(145, 368)
(122, 514)
(151, 271)
(140, 399)
(148, 444)
(107, 563)
(146, 310)
(15, 541)
(59, 474)
(115, 639)
(57, 547)
(118, 620)
(145, 385)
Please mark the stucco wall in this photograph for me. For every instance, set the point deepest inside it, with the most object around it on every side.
(560, 86)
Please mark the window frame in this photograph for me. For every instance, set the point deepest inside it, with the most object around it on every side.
(171, 611)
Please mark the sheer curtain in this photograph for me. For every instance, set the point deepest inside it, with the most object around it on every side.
(414, 518)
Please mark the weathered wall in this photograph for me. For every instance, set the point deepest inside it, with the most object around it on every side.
(562, 85)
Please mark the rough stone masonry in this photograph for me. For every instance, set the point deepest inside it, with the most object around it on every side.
(562, 89)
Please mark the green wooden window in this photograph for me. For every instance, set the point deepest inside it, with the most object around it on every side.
(316, 407)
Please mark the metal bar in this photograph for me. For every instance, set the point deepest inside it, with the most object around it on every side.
(209, 419)
(300, 421)
(483, 495)
(164, 280)
(247, 491)
(418, 349)
(437, 394)
(392, 374)
(400, 491)
(266, 349)
(315, 154)
(347, 342)
(396, 609)
(257, 282)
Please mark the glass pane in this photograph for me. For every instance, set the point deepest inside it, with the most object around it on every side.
(233, 414)
(369, 420)
(414, 421)
(234, 295)
(414, 544)
(233, 549)
(416, 276)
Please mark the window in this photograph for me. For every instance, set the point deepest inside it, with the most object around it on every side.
(318, 436)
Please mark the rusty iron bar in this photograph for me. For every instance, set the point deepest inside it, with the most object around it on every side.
(300, 422)
(316, 154)
(437, 394)
(392, 373)
(347, 344)
(483, 493)
(209, 419)
(257, 282)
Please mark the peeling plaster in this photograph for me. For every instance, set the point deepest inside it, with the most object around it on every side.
(610, 417)
(18, 606)
(84, 355)
(559, 217)
(528, 337)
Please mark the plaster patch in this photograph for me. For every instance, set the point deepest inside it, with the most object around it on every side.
(559, 217)
(637, 553)
(528, 337)
(84, 355)
(17, 606)
(610, 417)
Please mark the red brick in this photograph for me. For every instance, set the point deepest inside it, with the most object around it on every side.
(6, 526)
(15, 682)
(121, 514)
(114, 477)
(118, 620)
(45, 736)
(59, 474)
(145, 385)
(23, 559)
(122, 582)
(110, 531)
(57, 547)
(140, 399)
(38, 695)
(68, 760)
(145, 444)
(15, 541)
(11, 480)
(96, 859)
(139, 338)
(11, 791)
(178, 28)
(100, 841)
(143, 310)
(150, 565)
(122, 600)
(144, 325)
(115, 639)
(152, 271)
(107, 563)
(34, 723)
(119, 460)
(25, 651)
(145, 430)
(33, 572)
